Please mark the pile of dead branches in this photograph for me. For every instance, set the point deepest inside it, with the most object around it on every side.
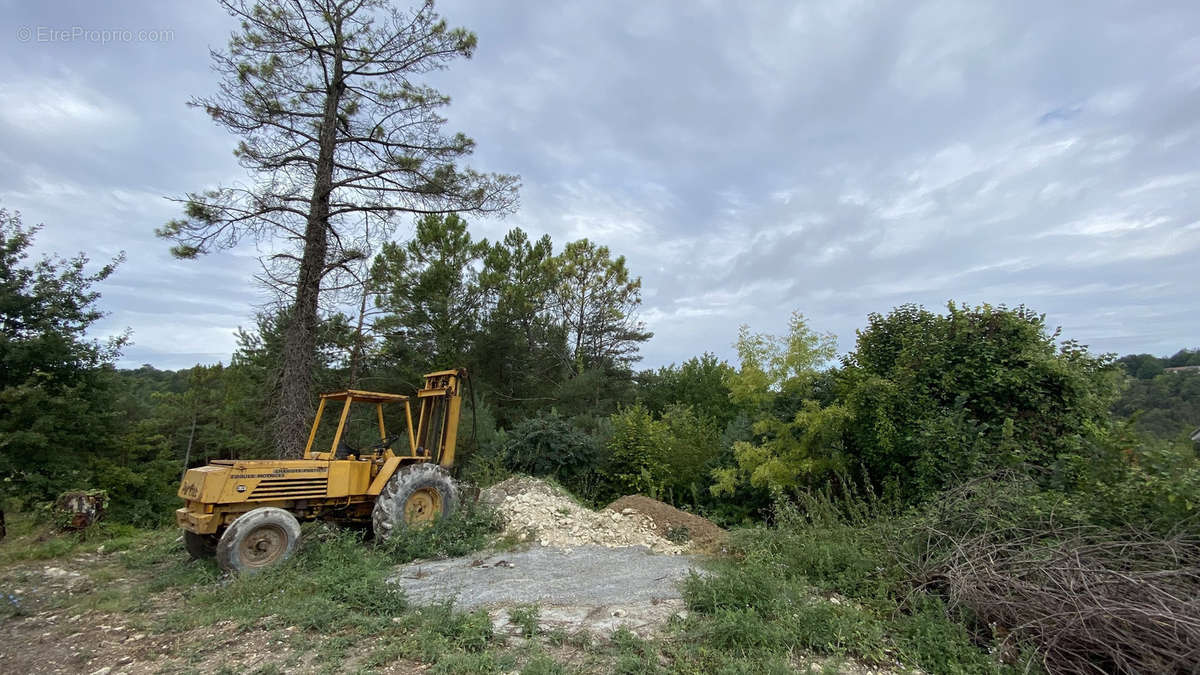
(1089, 599)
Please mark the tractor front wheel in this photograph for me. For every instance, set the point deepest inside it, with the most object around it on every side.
(415, 496)
(200, 546)
(258, 539)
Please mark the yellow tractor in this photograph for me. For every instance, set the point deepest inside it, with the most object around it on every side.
(247, 512)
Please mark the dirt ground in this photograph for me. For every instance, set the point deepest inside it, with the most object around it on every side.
(702, 534)
(95, 642)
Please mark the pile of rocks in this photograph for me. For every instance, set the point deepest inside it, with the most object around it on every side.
(536, 511)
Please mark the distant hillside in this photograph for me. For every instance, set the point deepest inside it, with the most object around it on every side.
(1167, 404)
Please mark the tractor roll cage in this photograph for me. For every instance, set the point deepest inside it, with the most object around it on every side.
(437, 418)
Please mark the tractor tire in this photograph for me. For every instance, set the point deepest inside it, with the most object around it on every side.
(415, 496)
(200, 546)
(258, 539)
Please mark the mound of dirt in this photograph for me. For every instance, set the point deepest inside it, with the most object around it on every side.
(537, 511)
(676, 525)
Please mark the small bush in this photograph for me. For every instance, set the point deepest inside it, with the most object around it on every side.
(550, 446)
(525, 617)
(471, 528)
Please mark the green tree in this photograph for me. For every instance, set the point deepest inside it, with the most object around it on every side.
(770, 365)
(793, 447)
(935, 399)
(430, 293)
(638, 447)
(56, 414)
(1184, 357)
(549, 445)
(701, 383)
(1142, 366)
(1166, 407)
(334, 129)
(693, 444)
(520, 345)
(597, 302)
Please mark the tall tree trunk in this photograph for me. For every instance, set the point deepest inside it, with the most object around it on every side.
(300, 346)
(356, 353)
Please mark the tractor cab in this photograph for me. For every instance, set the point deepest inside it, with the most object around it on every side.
(431, 438)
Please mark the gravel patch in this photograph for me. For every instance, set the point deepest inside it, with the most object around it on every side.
(595, 588)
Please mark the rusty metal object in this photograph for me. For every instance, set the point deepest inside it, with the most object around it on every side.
(79, 510)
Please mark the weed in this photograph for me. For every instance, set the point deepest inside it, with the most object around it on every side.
(469, 529)
(542, 664)
(525, 617)
(466, 663)
(557, 636)
(678, 535)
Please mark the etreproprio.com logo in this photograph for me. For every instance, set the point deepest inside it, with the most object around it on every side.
(102, 36)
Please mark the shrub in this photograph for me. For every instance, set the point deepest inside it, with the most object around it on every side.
(936, 399)
(692, 447)
(549, 445)
(469, 529)
(638, 448)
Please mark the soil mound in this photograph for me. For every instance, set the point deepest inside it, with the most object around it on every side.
(539, 512)
(673, 524)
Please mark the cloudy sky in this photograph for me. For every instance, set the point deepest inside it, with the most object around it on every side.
(749, 159)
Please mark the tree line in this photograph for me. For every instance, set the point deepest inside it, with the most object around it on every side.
(923, 402)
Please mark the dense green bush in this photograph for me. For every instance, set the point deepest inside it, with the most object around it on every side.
(638, 448)
(701, 382)
(935, 399)
(693, 446)
(549, 445)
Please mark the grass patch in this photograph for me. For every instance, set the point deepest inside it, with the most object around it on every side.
(822, 584)
(467, 530)
(32, 538)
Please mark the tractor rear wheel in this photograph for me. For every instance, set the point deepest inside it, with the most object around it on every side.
(415, 496)
(258, 539)
(200, 546)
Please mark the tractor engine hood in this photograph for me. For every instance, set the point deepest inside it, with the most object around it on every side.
(203, 483)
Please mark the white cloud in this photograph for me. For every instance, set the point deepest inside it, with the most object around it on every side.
(58, 109)
(747, 159)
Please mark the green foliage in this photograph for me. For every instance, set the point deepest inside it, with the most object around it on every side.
(521, 345)
(468, 529)
(59, 428)
(786, 453)
(1147, 366)
(549, 445)
(525, 617)
(827, 584)
(692, 447)
(935, 399)
(1142, 366)
(596, 300)
(769, 364)
(638, 447)
(701, 382)
(1166, 406)
(430, 292)
(593, 395)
